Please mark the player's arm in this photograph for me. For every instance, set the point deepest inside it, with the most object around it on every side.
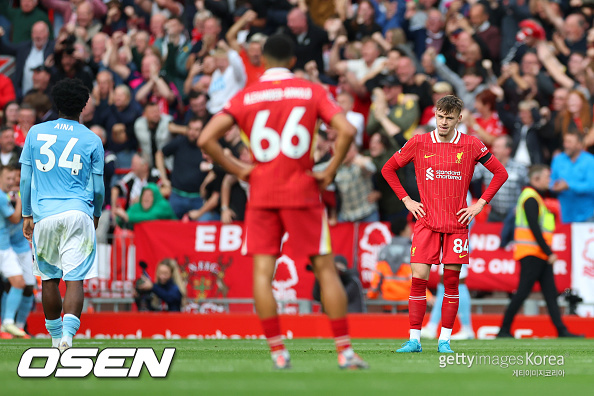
(98, 197)
(26, 210)
(16, 216)
(532, 210)
(499, 177)
(345, 133)
(209, 142)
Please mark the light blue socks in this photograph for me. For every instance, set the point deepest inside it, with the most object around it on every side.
(13, 301)
(54, 327)
(70, 326)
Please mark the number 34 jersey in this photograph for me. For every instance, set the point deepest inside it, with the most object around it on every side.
(278, 116)
(63, 154)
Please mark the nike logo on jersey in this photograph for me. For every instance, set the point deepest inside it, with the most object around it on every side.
(462, 255)
(429, 156)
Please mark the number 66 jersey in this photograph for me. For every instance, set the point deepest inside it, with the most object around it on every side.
(278, 116)
(63, 154)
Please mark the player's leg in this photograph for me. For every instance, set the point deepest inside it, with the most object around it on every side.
(26, 263)
(308, 230)
(263, 240)
(52, 309)
(334, 301)
(424, 252)
(49, 269)
(5, 289)
(12, 300)
(430, 329)
(530, 270)
(77, 256)
(464, 309)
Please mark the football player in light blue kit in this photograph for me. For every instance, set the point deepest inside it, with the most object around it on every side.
(22, 248)
(62, 194)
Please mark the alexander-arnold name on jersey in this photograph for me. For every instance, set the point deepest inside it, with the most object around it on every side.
(432, 174)
(277, 94)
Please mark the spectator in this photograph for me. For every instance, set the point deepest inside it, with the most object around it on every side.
(504, 202)
(131, 185)
(309, 39)
(28, 55)
(363, 24)
(526, 130)
(353, 182)
(186, 175)
(392, 113)
(68, 8)
(41, 80)
(86, 26)
(227, 79)
(26, 119)
(351, 283)
(109, 168)
(152, 87)
(572, 178)
(7, 93)
(115, 20)
(152, 132)
(175, 48)
(151, 206)
(200, 75)
(346, 102)
(577, 116)
(406, 71)
(9, 151)
(211, 34)
(23, 19)
(251, 51)
(11, 114)
(485, 123)
(380, 151)
(166, 293)
(234, 192)
(126, 111)
(197, 107)
(479, 19)
(210, 191)
(69, 62)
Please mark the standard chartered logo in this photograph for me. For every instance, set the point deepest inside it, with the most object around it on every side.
(431, 174)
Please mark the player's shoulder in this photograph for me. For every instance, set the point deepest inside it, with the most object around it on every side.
(472, 140)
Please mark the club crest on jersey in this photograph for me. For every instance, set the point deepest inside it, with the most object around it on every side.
(459, 157)
(64, 127)
(413, 251)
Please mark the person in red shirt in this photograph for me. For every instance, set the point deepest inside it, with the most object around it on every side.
(251, 55)
(278, 116)
(444, 162)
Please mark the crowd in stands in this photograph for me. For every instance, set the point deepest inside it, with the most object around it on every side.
(158, 70)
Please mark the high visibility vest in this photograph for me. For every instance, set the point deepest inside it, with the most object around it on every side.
(525, 243)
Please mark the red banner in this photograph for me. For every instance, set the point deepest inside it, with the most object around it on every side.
(233, 326)
(209, 255)
(494, 269)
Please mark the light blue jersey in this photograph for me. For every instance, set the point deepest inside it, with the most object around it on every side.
(63, 155)
(18, 242)
(6, 210)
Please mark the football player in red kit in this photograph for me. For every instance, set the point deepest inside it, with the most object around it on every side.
(444, 163)
(278, 116)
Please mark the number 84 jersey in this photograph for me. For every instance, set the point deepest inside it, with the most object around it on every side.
(278, 117)
(63, 155)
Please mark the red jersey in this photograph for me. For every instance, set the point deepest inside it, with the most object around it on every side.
(278, 116)
(493, 126)
(252, 72)
(444, 172)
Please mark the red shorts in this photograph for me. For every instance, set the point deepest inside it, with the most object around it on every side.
(429, 246)
(307, 228)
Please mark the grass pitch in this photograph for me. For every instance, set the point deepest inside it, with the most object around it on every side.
(243, 367)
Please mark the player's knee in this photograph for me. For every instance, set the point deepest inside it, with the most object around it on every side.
(17, 282)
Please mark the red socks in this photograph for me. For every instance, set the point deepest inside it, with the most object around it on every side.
(417, 303)
(340, 329)
(271, 327)
(449, 306)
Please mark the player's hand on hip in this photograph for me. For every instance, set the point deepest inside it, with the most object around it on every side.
(324, 178)
(28, 226)
(416, 208)
(468, 214)
(244, 174)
